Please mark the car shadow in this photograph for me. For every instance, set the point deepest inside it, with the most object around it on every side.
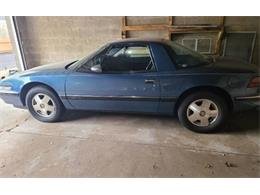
(72, 115)
(239, 122)
(242, 121)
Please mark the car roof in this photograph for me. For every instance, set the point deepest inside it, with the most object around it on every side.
(133, 40)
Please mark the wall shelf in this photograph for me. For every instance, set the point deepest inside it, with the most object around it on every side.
(173, 29)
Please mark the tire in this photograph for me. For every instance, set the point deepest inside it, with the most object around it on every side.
(210, 109)
(44, 105)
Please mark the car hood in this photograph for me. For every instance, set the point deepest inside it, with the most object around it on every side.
(52, 66)
(48, 68)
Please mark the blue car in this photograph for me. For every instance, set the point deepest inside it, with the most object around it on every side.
(139, 76)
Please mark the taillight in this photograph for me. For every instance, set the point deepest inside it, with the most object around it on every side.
(255, 82)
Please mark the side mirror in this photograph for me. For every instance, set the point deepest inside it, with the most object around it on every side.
(96, 68)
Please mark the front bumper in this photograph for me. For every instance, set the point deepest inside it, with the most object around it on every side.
(246, 102)
(11, 98)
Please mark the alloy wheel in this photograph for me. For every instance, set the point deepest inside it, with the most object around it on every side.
(43, 105)
(202, 112)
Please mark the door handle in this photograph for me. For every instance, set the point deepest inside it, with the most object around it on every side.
(149, 81)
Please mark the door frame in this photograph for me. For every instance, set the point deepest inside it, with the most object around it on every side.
(17, 45)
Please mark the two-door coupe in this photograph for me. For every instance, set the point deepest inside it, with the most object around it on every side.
(142, 76)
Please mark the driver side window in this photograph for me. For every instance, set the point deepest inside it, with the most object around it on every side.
(94, 63)
(125, 59)
(120, 59)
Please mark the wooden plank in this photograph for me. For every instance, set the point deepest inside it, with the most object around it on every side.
(196, 26)
(145, 27)
(123, 24)
(219, 41)
(222, 20)
(220, 36)
(170, 22)
(194, 29)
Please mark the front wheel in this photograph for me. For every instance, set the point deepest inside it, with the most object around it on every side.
(43, 104)
(203, 112)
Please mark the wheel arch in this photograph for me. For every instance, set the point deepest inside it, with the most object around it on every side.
(212, 89)
(31, 85)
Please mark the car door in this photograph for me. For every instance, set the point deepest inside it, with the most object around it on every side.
(120, 78)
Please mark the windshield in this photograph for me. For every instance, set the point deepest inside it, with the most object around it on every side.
(184, 57)
(86, 58)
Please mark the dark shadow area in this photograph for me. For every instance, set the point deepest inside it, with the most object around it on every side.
(72, 115)
(242, 121)
(238, 122)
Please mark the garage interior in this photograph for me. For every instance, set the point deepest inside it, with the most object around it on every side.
(125, 145)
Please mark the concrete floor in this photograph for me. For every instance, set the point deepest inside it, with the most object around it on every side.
(121, 145)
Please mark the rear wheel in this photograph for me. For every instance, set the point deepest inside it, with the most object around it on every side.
(203, 112)
(43, 104)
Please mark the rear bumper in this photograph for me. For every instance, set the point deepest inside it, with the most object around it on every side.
(12, 98)
(246, 102)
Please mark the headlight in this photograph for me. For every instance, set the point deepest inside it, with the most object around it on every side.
(5, 87)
